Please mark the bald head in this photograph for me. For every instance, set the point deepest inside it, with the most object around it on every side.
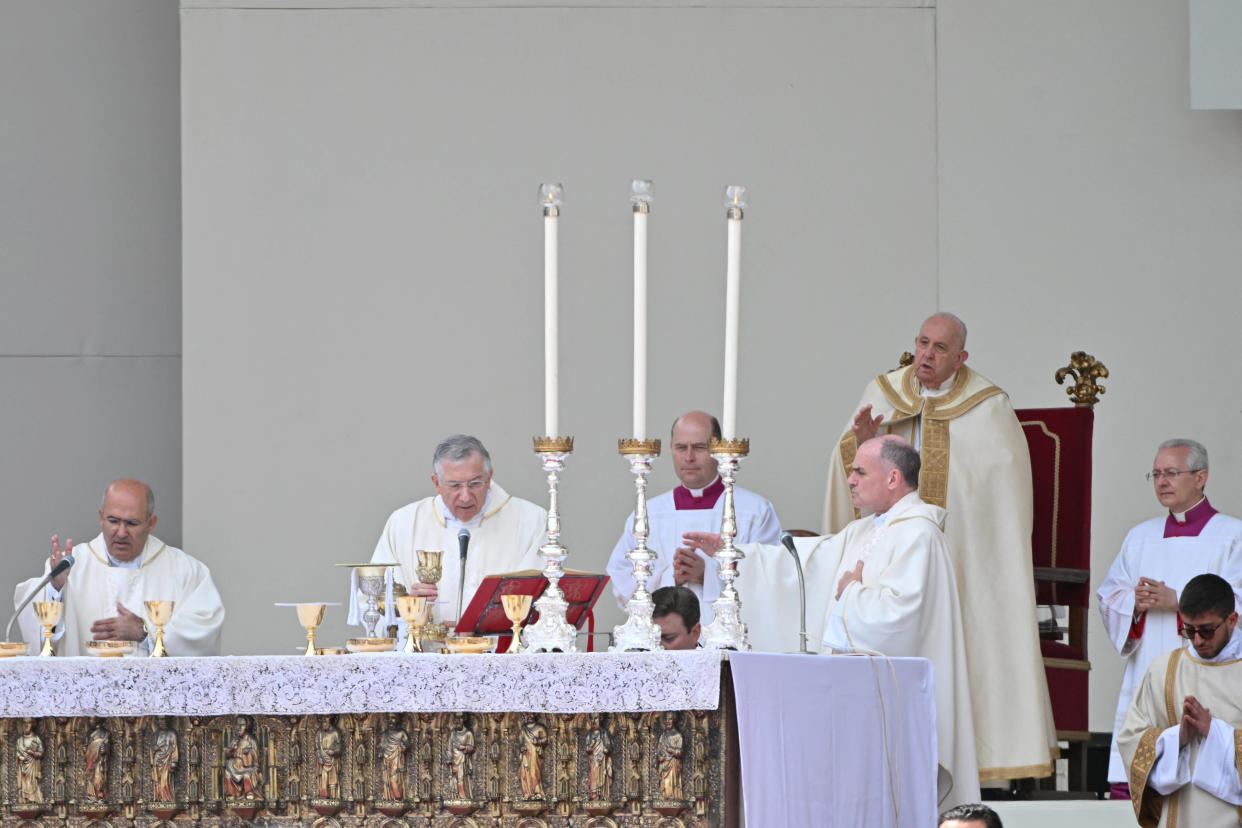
(126, 518)
(691, 439)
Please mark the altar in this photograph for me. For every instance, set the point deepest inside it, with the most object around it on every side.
(605, 740)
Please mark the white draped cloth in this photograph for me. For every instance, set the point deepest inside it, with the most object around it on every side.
(95, 586)
(1147, 553)
(505, 536)
(977, 466)
(767, 584)
(756, 523)
(907, 605)
(1199, 785)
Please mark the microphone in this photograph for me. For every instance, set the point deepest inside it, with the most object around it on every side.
(64, 565)
(463, 543)
(788, 542)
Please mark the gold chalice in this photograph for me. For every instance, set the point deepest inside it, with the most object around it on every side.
(159, 613)
(310, 616)
(517, 607)
(414, 611)
(429, 571)
(48, 613)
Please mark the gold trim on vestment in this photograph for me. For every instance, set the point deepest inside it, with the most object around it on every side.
(847, 450)
(106, 561)
(1146, 802)
(934, 471)
(1237, 760)
(1023, 772)
(1170, 708)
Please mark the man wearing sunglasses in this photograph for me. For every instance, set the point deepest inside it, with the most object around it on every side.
(1139, 596)
(505, 532)
(1181, 736)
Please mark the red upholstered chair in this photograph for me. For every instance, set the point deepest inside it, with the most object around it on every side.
(1060, 445)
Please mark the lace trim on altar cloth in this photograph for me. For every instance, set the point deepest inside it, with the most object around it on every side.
(373, 683)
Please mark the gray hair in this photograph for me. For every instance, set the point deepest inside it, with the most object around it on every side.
(956, 320)
(458, 448)
(1196, 452)
(901, 455)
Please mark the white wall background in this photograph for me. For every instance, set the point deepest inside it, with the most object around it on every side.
(362, 250)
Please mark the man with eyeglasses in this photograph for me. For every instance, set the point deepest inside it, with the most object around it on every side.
(116, 572)
(505, 531)
(696, 505)
(1181, 736)
(1139, 596)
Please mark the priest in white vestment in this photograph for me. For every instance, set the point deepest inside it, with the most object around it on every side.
(1181, 737)
(112, 577)
(696, 505)
(976, 466)
(505, 531)
(1138, 597)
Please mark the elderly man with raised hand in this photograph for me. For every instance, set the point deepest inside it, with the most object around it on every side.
(117, 572)
(505, 531)
(976, 466)
(695, 505)
(1138, 598)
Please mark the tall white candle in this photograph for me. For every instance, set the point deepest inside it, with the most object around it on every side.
(641, 198)
(550, 196)
(735, 200)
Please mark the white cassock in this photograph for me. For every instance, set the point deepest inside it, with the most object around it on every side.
(95, 586)
(767, 584)
(977, 466)
(1199, 785)
(505, 536)
(756, 523)
(907, 605)
(1175, 560)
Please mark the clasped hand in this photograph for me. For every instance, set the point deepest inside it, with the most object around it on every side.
(1196, 721)
(1151, 594)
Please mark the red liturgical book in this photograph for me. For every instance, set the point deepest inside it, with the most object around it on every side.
(485, 614)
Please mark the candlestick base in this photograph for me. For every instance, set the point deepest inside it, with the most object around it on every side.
(727, 632)
(639, 632)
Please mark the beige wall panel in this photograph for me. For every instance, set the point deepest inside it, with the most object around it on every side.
(363, 256)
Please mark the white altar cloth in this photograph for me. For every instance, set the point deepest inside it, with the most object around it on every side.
(836, 740)
(373, 683)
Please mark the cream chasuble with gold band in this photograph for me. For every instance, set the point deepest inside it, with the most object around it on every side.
(504, 537)
(1200, 785)
(166, 574)
(977, 467)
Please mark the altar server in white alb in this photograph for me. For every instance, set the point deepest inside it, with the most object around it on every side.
(1138, 598)
(1182, 737)
(505, 531)
(895, 592)
(694, 506)
(112, 577)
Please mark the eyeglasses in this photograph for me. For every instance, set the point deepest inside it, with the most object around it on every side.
(1169, 474)
(456, 485)
(1204, 631)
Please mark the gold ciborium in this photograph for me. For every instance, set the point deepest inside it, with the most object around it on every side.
(159, 613)
(48, 613)
(310, 616)
(517, 607)
(429, 571)
(414, 611)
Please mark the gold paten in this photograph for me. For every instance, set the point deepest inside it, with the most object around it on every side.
(1085, 369)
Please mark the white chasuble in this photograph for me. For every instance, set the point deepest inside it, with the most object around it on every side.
(95, 587)
(1199, 785)
(504, 537)
(756, 523)
(907, 605)
(1147, 553)
(977, 467)
(767, 584)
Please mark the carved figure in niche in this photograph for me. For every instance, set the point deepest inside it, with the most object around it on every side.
(393, 744)
(241, 763)
(328, 753)
(534, 737)
(461, 751)
(98, 751)
(599, 759)
(164, 758)
(29, 751)
(668, 759)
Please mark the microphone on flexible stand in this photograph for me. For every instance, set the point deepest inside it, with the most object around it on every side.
(64, 564)
(463, 543)
(788, 541)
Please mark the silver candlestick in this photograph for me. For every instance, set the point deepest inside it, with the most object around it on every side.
(552, 633)
(639, 632)
(727, 632)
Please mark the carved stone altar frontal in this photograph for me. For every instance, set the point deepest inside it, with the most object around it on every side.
(665, 769)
